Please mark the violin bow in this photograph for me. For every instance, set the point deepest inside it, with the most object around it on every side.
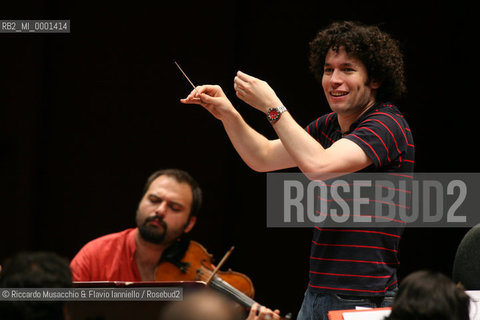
(225, 257)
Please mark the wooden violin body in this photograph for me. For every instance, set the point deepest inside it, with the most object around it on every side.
(196, 265)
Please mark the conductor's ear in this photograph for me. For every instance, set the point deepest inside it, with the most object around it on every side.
(374, 84)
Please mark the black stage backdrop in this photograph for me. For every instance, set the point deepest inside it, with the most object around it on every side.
(85, 117)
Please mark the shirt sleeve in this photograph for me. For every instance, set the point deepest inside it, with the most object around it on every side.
(80, 266)
(382, 137)
(312, 128)
(315, 127)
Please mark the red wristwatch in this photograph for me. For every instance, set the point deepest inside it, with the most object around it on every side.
(273, 114)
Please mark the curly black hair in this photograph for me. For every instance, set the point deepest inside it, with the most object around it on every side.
(378, 51)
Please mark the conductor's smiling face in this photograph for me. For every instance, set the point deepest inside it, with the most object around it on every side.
(346, 84)
(163, 214)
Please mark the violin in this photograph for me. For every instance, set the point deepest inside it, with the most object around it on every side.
(196, 265)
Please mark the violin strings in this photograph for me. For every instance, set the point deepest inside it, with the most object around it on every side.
(221, 285)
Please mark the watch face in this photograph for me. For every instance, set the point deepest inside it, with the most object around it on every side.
(273, 114)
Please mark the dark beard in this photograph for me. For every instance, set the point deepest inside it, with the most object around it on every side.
(153, 234)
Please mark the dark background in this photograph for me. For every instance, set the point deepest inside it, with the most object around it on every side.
(85, 117)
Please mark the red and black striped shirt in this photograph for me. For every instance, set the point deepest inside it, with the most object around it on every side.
(362, 261)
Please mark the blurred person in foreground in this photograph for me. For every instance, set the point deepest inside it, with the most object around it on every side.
(35, 270)
(206, 304)
(427, 295)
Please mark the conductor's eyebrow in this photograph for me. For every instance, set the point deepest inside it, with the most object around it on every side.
(345, 64)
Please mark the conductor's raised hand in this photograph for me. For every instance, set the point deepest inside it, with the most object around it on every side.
(212, 98)
(255, 92)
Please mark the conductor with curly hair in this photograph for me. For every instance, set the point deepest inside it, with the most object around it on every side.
(361, 71)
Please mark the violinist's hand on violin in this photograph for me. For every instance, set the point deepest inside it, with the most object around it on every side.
(258, 312)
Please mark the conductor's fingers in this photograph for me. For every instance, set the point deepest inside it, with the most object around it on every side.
(195, 95)
(244, 77)
(239, 82)
(191, 100)
(205, 98)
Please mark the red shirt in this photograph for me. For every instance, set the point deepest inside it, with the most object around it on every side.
(108, 258)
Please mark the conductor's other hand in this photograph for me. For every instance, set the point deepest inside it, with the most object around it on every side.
(255, 92)
(212, 98)
(258, 312)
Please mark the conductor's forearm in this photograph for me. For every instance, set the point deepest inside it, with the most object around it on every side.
(252, 147)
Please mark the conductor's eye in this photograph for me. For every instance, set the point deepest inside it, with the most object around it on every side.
(327, 70)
